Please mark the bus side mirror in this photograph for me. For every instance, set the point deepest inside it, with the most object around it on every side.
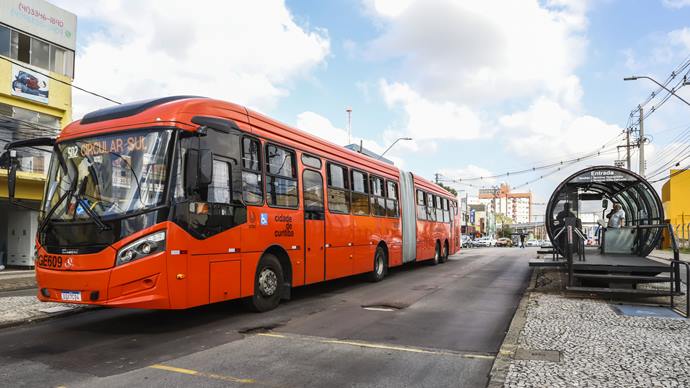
(604, 203)
(191, 170)
(205, 168)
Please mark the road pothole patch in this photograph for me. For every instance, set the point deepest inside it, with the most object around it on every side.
(382, 307)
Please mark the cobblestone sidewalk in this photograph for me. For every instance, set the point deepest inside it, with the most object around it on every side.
(17, 280)
(599, 348)
(15, 310)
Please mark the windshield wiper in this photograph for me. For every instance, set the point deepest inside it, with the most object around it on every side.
(45, 221)
(81, 201)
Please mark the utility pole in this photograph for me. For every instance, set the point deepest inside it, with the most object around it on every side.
(641, 141)
(627, 146)
(437, 178)
(349, 124)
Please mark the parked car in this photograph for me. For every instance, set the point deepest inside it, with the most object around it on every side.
(484, 242)
(465, 241)
(532, 243)
(504, 242)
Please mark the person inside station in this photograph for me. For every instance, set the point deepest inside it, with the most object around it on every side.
(616, 216)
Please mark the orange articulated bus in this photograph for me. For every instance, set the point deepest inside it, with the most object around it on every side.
(183, 201)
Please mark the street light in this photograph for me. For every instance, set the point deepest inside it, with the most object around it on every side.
(391, 146)
(685, 83)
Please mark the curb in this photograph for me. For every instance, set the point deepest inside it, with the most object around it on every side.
(506, 353)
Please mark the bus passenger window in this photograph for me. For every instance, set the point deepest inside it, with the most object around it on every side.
(281, 177)
(421, 208)
(313, 191)
(219, 189)
(360, 194)
(311, 161)
(252, 185)
(446, 211)
(338, 193)
(378, 200)
(439, 209)
(430, 209)
(392, 200)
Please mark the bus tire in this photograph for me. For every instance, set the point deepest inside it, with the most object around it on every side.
(380, 266)
(268, 283)
(437, 254)
(444, 252)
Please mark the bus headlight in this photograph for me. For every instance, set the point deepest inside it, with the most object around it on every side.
(142, 247)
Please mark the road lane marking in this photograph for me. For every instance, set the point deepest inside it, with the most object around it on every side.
(363, 344)
(192, 372)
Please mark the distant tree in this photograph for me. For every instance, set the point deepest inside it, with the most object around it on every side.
(503, 219)
(449, 189)
(505, 231)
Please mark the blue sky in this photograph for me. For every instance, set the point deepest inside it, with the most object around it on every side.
(483, 87)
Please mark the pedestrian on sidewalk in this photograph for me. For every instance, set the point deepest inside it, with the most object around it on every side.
(522, 240)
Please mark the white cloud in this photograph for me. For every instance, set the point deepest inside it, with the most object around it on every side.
(676, 3)
(484, 51)
(427, 120)
(547, 130)
(245, 52)
(322, 127)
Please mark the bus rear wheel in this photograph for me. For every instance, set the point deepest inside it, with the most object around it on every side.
(444, 253)
(268, 283)
(437, 254)
(380, 266)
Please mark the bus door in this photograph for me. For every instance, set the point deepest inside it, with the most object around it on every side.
(314, 226)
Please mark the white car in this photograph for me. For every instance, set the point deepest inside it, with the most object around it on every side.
(532, 243)
(484, 242)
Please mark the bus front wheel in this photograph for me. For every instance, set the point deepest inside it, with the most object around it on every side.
(380, 266)
(268, 283)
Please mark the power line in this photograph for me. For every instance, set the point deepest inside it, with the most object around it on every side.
(61, 81)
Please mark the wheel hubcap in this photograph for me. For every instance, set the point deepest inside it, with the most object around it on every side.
(268, 282)
(379, 265)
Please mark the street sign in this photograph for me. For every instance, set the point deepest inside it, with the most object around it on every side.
(619, 163)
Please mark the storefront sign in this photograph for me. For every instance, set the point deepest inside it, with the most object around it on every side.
(42, 19)
(29, 84)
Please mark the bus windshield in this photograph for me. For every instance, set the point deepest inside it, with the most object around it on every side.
(107, 175)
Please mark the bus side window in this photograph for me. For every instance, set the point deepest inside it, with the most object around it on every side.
(338, 192)
(392, 200)
(281, 177)
(219, 189)
(252, 185)
(446, 210)
(430, 209)
(378, 193)
(360, 193)
(421, 208)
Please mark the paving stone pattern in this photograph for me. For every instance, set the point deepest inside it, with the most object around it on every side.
(16, 309)
(600, 348)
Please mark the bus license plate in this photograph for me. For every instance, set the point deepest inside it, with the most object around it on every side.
(71, 295)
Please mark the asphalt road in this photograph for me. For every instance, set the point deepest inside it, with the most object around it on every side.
(431, 326)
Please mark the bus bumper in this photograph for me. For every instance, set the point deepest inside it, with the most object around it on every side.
(140, 284)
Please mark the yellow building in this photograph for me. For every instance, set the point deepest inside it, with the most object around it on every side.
(676, 197)
(37, 45)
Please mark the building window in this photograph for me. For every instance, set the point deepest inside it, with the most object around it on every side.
(281, 177)
(360, 193)
(252, 185)
(338, 193)
(36, 52)
(5, 41)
